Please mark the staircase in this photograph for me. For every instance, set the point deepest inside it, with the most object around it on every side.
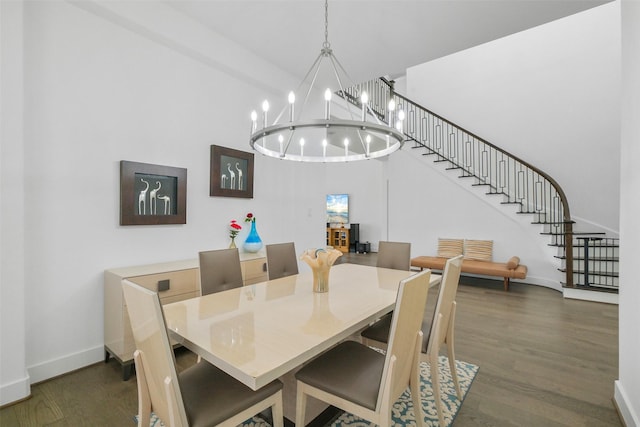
(588, 260)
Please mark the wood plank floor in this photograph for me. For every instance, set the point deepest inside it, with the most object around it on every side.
(544, 361)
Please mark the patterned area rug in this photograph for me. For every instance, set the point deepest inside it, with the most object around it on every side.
(253, 422)
(403, 409)
(403, 414)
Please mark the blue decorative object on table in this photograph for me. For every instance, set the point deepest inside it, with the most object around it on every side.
(253, 242)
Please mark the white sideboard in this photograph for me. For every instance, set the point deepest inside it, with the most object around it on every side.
(174, 281)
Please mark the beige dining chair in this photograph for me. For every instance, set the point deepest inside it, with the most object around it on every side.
(396, 255)
(282, 260)
(220, 270)
(201, 395)
(438, 328)
(363, 381)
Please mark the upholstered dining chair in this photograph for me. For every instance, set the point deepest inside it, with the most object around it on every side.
(282, 260)
(396, 255)
(363, 381)
(437, 326)
(201, 395)
(219, 270)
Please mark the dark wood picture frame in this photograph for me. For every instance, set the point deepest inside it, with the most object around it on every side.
(152, 194)
(231, 173)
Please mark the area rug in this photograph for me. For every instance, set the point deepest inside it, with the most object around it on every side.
(253, 422)
(403, 414)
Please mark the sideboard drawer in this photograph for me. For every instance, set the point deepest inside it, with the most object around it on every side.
(180, 282)
(254, 271)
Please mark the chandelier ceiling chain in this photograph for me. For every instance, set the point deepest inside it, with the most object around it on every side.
(326, 44)
(326, 139)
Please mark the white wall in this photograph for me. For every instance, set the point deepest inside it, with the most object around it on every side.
(627, 388)
(14, 379)
(548, 95)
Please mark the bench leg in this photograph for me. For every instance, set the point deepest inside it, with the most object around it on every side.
(506, 284)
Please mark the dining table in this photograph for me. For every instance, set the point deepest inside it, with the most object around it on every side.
(259, 332)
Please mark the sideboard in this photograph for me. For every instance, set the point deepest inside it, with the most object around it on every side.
(174, 281)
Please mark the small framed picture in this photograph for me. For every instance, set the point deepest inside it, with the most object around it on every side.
(152, 194)
(231, 173)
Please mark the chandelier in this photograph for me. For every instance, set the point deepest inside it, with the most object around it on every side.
(358, 133)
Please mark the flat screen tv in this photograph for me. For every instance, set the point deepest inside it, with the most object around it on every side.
(338, 208)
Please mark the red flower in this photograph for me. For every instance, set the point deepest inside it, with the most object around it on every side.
(250, 218)
(234, 228)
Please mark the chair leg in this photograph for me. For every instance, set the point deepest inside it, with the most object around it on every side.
(277, 412)
(435, 382)
(301, 404)
(451, 351)
(433, 365)
(415, 381)
(144, 400)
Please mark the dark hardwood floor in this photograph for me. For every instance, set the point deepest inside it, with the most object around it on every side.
(544, 361)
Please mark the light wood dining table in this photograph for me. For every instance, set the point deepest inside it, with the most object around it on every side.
(259, 332)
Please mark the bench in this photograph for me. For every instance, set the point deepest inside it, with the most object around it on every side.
(478, 260)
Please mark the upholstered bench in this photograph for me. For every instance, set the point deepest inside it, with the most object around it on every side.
(477, 260)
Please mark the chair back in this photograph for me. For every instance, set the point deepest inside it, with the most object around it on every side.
(151, 338)
(403, 337)
(220, 270)
(396, 255)
(281, 260)
(444, 304)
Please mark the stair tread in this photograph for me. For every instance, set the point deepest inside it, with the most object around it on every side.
(553, 222)
(587, 233)
(591, 273)
(599, 259)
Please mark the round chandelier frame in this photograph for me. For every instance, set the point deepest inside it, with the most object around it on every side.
(327, 139)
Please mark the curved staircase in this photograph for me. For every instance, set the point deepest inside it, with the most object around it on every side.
(588, 260)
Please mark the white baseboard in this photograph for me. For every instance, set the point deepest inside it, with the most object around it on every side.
(15, 391)
(595, 296)
(626, 411)
(62, 365)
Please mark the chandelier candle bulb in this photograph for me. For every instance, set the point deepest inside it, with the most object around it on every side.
(254, 121)
(365, 99)
(281, 141)
(368, 140)
(400, 119)
(346, 147)
(301, 148)
(392, 106)
(327, 103)
(324, 148)
(292, 100)
(265, 109)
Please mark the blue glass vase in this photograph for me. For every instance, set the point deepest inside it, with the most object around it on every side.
(253, 242)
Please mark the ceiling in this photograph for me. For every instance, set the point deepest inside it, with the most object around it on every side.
(371, 38)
